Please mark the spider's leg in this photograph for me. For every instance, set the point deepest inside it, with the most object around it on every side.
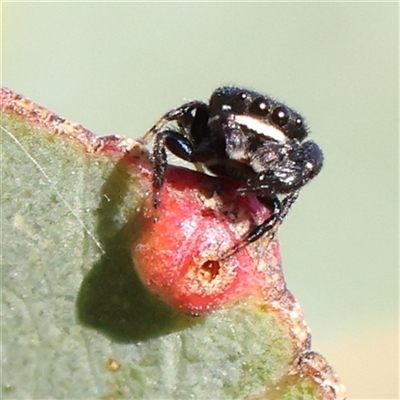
(166, 138)
(271, 224)
(279, 212)
(274, 204)
(173, 115)
(160, 165)
(180, 145)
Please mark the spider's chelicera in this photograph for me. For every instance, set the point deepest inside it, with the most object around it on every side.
(244, 136)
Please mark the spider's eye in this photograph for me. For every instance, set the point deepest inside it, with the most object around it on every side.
(298, 121)
(259, 107)
(280, 116)
(243, 96)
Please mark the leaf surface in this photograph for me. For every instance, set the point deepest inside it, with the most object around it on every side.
(77, 321)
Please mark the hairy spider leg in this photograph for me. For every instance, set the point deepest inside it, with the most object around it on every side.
(173, 115)
(168, 138)
(188, 145)
(279, 211)
(275, 205)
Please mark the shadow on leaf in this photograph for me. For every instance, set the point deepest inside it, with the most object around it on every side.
(112, 299)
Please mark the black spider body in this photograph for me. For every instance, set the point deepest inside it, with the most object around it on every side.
(247, 137)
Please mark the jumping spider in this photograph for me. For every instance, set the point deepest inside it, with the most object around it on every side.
(247, 137)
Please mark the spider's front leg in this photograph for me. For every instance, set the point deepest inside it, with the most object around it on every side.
(180, 115)
(279, 211)
(182, 142)
(287, 169)
(178, 144)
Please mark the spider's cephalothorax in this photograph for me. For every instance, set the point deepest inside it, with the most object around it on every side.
(245, 136)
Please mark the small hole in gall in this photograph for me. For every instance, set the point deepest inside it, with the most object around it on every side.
(209, 270)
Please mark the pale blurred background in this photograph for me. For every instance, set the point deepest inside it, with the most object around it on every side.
(117, 67)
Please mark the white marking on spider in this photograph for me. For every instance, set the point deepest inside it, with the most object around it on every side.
(261, 127)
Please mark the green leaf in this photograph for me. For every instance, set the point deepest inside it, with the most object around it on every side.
(76, 320)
